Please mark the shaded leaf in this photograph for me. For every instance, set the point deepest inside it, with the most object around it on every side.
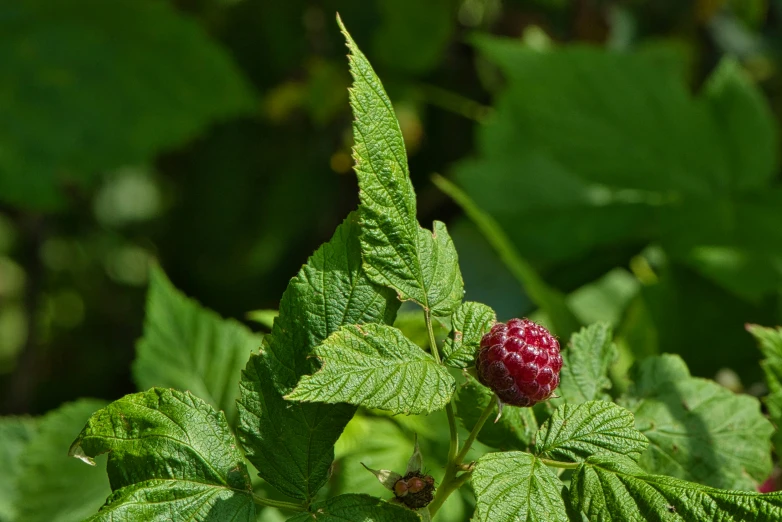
(16, 433)
(188, 347)
(697, 429)
(291, 444)
(167, 81)
(356, 508)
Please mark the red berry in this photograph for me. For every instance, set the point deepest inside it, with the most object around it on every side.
(520, 361)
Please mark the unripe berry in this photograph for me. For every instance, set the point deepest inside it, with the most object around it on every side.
(415, 490)
(520, 361)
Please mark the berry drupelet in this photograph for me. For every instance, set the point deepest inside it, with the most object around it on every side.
(520, 361)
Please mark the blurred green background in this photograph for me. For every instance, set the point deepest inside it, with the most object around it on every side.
(627, 151)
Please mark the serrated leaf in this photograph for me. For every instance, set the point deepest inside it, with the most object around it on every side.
(188, 347)
(421, 266)
(697, 429)
(585, 364)
(577, 431)
(615, 489)
(173, 452)
(292, 444)
(515, 486)
(770, 342)
(16, 433)
(469, 324)
(165, 500)
(51, 486)
(168, 81)
(378, 367)
(356, 508)
(515, 429)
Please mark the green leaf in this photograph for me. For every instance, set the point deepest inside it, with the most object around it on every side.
(469, 323)
(697, 429)
(515, 429)
(585, 364)
(378, 367)
(16, 433)
(356, 508)
(770, 341)
(188, 347)
(171, 451)
(745, 123)
(694, 171)
(156, 500)
(292, 444)
(551, 301)
(53, 487)
(421, 266)
(616, 489)
(166, 78)
(577, 431)
(514, 486)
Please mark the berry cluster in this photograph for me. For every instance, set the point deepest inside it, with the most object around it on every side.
(520, 361)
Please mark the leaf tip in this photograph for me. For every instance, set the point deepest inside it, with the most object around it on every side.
(76, 451)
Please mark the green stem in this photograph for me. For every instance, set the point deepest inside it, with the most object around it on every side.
(279, 504)
(476, 430)
(454, 442)
(558, 464)
(450, 481)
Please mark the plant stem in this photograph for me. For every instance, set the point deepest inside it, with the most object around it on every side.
(454, 442)
(450, 481)
(558, 464)
(278, 504)
(476, 430)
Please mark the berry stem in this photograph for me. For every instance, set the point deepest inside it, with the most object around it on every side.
(454, 442)
(279, 504)
(450, 481)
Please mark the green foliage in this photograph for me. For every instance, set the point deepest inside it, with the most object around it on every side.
(168, 452)
(577, 431)
(188, 347)
(514, 486)
(15, 432)
(616, 489)
(770, 340)
(697, 429)
(291, 444)
(40, 482)
(161, 82)
(421, 266)
(584, 375)
(469, 323)
(378, 367)
(333, 348)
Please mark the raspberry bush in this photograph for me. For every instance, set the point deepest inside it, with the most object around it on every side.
(571, 442)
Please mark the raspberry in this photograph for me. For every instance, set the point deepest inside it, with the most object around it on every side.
(520, 361)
